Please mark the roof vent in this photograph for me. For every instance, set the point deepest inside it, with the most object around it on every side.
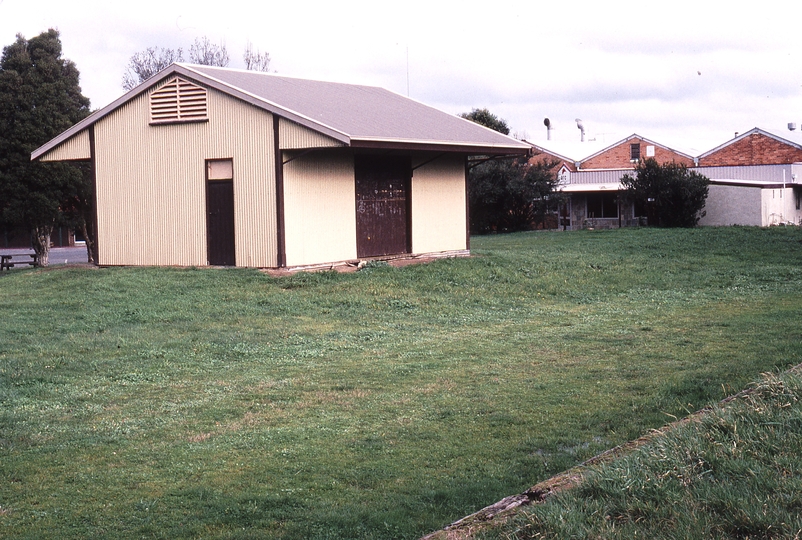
(581, 127)
(791, 126)
(178, 100)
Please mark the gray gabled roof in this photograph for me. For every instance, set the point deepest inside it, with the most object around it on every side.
(356, 115)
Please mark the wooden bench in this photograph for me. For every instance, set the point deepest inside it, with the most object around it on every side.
(31, 259)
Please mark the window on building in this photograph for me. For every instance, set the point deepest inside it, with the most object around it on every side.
(602, 205)
(219, 169)
(634, 151)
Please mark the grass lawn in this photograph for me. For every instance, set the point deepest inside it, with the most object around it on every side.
(186, 403)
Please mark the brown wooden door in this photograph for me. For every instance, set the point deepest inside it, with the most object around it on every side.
(382, 205)
(220, 222)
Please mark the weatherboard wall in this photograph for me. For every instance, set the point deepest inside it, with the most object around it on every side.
(151, 184)
(438, 204)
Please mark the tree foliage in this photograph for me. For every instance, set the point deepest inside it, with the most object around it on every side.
(510, 194)
(485, 118)
(39, 98)
(670, 194)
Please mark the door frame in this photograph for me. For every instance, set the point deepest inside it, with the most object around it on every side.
(223, 174)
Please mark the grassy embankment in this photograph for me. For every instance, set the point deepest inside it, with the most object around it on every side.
(140, 402)
(734, 472)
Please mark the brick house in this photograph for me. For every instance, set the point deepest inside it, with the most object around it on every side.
(594, 184)
(755, 179)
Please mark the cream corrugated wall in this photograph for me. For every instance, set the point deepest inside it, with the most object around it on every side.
(320, 207)
(152, 191)
(74, 148)
(291, 135)
(438, 205)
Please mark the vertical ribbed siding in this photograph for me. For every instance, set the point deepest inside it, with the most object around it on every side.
(291, 135)
(320, 208)
(74, 148)
(151, 184)
(438, 205)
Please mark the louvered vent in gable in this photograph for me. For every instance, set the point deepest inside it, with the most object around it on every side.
(178, 101)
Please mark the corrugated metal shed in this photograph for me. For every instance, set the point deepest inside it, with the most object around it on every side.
(290, 149)
(354, 115)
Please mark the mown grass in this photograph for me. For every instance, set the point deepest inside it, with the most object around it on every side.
(734, 473)
(162, 403)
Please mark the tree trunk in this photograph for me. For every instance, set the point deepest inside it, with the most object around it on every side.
(90, 243)
(40, 239)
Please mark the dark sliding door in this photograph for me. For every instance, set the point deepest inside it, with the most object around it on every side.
(382, 205)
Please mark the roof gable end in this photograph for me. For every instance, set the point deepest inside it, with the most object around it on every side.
(753, 131)
(630, 138)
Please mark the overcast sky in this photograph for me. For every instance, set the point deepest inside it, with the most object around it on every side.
(685, 74)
